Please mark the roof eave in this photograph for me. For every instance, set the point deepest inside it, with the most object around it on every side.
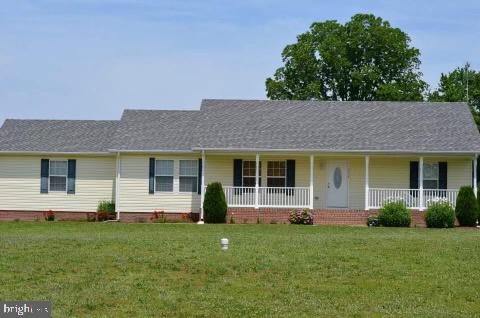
(403, 152)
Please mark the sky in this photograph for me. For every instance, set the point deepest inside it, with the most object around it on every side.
(90, 59)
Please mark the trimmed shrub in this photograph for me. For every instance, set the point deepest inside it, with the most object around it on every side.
(440, 215)
(301, 217)
(214, 204)
(394, 214)
(466, 207)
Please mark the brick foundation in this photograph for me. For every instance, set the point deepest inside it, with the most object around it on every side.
(320, 216)
(83, 216)
(237, 215)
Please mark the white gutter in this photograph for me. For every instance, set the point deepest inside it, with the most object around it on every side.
(56, 153)
(117, 186)
(153, 151)
(466, 152)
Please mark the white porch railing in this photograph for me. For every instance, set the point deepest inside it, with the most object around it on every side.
(284, 197)
(377, 197)
(240, 196)
(288, 197)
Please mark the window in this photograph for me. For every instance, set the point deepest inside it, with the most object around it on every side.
(58, 175)
(164, 175)
(430, 175)
(188, 175)
(248, 179)
(276, 174)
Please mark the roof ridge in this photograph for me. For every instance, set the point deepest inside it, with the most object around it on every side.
(326, 101)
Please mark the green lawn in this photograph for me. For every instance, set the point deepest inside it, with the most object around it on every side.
(141, 270)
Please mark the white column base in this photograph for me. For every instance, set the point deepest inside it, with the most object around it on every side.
(200, 222)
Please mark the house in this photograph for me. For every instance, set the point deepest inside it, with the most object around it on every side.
(343, 160)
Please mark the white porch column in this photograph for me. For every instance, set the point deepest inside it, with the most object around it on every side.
(311, 181)
(202, 190)
(475, 187)
(420, 183)
(117, 186)
(257, 169)
(367, 199)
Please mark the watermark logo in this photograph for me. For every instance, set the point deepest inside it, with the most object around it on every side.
(31, 309)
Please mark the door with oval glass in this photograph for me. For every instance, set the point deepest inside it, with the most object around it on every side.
(337, 184)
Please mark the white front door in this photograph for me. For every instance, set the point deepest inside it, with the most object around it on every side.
(337, 184)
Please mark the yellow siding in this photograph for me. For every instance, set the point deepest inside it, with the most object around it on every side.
(20, 180)
(20, 184)
(134, 196)
(394, 172)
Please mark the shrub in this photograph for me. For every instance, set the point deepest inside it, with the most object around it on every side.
(158, 217)
(105, 216)
(49, 216)
(105, 210)
(394, 214)
(372, 220)
(466, 207)
(301, 217)
(106, 206)
(214, 204)
(440, 215)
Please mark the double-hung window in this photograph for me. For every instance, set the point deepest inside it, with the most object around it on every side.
(188, 176)
(248, 178)
(430, 176)
(164, 175)
(58, 175)
(276, 174)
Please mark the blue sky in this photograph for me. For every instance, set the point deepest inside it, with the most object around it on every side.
(90, 59)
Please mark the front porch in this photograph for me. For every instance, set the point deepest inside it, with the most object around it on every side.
(335, 182)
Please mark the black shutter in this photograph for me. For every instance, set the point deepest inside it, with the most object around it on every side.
(72, 174)
(290, 176)
(151, 176)
(237, 172)
(199, 180)
(290, 173)
(442, 175)
(414, 176)
(44, 172)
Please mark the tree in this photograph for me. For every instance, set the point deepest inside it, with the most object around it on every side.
(453, 88)
(364, 59)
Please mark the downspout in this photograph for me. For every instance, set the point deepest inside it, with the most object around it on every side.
(117, 186)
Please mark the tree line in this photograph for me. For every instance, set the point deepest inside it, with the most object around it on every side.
(365, 59)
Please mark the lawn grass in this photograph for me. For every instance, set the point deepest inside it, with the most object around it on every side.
(155, 270)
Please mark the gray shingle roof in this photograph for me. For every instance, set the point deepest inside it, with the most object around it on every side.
(259, 124)
(338, 126)
(56, 135)
(157, 130)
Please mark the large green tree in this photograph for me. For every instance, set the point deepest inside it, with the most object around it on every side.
(363, 59)
(460, 85)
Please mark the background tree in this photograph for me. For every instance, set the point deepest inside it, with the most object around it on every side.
(364, 59)
(453, 88)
